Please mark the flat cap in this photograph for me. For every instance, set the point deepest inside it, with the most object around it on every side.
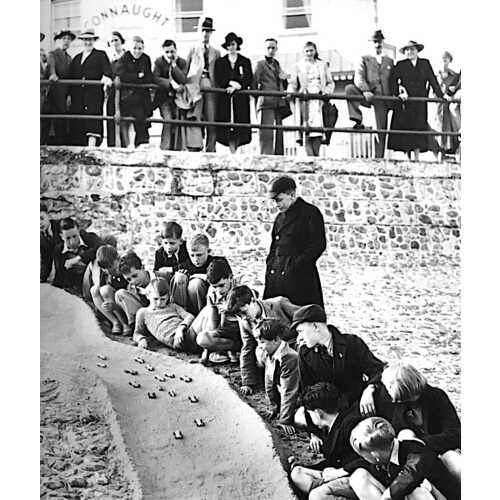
(282, 184)
(308, 314)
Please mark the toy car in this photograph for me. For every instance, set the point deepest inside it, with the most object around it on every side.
(171, 394)
(159, 378)
(161, 388)
(102, 356)
(184, 378)
(150, 368)
(199, 422)
(134, 384)
(152, 395)
(131, 372)
(169, 374)
(178, 435)
(102, 365)
(193, 399)
(139, 360)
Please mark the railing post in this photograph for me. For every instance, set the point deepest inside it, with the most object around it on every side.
(118, 137)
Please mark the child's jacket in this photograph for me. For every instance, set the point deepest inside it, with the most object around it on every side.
(282, 382)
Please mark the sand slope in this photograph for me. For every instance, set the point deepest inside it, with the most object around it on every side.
(232, 457)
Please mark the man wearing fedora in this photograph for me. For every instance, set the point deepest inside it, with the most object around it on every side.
(91, 64)
(44, 90)
(372, 79)
(201, 75)
(60, 69)
(269, 76)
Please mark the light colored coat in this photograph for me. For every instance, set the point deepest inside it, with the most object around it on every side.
(195, 64)
(298, 77)
(372, 76)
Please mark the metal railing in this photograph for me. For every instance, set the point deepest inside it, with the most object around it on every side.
(118, 118)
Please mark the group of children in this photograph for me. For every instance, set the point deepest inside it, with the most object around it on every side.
(383, 430)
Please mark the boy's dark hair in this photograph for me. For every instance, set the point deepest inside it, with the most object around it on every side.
(109, 239)
(106, 256)
(68, 223)
(323, 396)
(218, 269)
(271, 329)
(128, 261)
(169, 43)
(171, 230)
(44, 208)
(238, 297)
(271, 40)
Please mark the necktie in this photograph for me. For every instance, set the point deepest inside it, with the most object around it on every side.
(205, 57)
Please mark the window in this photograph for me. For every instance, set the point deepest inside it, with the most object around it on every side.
(296, 14)
(187, 15)
(66, 15)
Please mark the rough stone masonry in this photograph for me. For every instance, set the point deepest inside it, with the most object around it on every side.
(376, 212)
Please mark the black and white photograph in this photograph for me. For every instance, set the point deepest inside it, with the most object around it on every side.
(250, 250)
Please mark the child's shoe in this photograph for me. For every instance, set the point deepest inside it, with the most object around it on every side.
(218, 358)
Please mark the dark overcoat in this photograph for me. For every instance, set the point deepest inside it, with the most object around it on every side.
(241, 73)
(350, 367)
(411, 115)
(298, 240)
(48, 244)
(88, 99)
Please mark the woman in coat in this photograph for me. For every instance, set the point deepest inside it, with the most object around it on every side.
(117, 45)
(91, 64)
(135, 67)
(233, 72)
(311, 76)
(411, 77)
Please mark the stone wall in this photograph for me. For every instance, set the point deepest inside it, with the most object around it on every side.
(376, 212)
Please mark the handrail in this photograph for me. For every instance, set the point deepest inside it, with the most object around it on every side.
(285, 128)
(257, 93)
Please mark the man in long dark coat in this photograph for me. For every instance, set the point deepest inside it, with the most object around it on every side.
(298, 240)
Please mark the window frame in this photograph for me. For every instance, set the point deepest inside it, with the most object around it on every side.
(179, 15)
(305, 10)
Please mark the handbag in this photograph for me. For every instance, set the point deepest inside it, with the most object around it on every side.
(330, 117)
(284, 110)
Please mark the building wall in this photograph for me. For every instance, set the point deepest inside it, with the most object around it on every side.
(376, 212)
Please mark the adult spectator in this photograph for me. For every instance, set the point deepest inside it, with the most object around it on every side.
(372, 79)
(90, 64)
(446, 120)
(233, 72)
(298, 240)
(135, 67)
(311, 76)
(411, 77)
(117, 50)
(44, 90)
(60, 69)
(201, 75)
(170, 74)
(269, 76)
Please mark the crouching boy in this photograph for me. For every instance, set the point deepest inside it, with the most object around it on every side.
(281, 372)
(397, 469)
(103, 293)
(167, 322)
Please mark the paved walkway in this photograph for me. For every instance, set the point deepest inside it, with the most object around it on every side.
(232, 457)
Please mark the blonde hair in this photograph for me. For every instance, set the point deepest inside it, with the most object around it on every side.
(372, 434)
(403, 381)
(161, 286)
(199, 240)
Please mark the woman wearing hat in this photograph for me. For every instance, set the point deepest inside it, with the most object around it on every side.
(411, 77)
(135, 67)
(60, 69)
(116, 43)
(91, 64)
(233, 72)
(446, 120)
(311, 76)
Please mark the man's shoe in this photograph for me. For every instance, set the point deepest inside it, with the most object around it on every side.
(358, 126)
(218, 358)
